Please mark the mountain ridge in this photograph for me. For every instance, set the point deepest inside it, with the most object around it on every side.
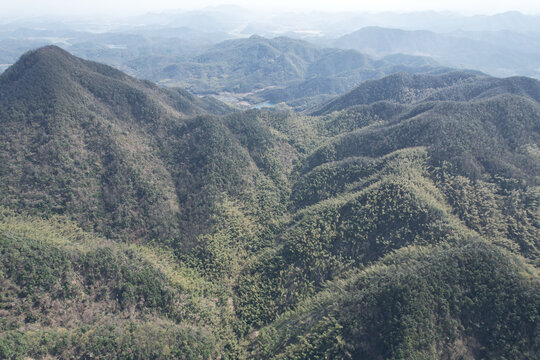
(416, 88)
(270, 69)
(453, 49)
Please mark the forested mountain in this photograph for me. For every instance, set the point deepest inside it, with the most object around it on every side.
(282, 70)
(414, 89)
(398, 220)
(85, 139)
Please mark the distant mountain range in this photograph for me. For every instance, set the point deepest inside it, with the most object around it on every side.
(203, 50)
(495, 53)
(254, 70)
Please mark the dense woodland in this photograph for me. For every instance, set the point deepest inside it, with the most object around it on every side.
(282, 69)
(400, 220)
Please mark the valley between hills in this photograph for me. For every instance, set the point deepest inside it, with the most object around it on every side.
(395, 217)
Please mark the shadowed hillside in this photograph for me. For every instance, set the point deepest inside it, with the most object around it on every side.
(121, 156)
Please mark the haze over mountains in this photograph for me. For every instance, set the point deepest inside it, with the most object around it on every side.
(499, 53)
(398, 220)
(282, 70)
(177, 48)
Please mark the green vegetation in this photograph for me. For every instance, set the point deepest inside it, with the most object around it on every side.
(68, 294)
(279, 70)
(419, 303)
(397, 221)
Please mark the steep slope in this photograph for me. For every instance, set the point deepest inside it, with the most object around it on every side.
(120, 156)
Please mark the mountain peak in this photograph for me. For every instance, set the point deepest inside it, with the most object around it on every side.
(47, 70)
(50, 62)
(41, 64)
(51, 75)
(257, 37)
(50, 55)
(38, 73)
(50, 50)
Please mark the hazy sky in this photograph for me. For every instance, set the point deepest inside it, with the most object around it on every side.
(121, 7)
